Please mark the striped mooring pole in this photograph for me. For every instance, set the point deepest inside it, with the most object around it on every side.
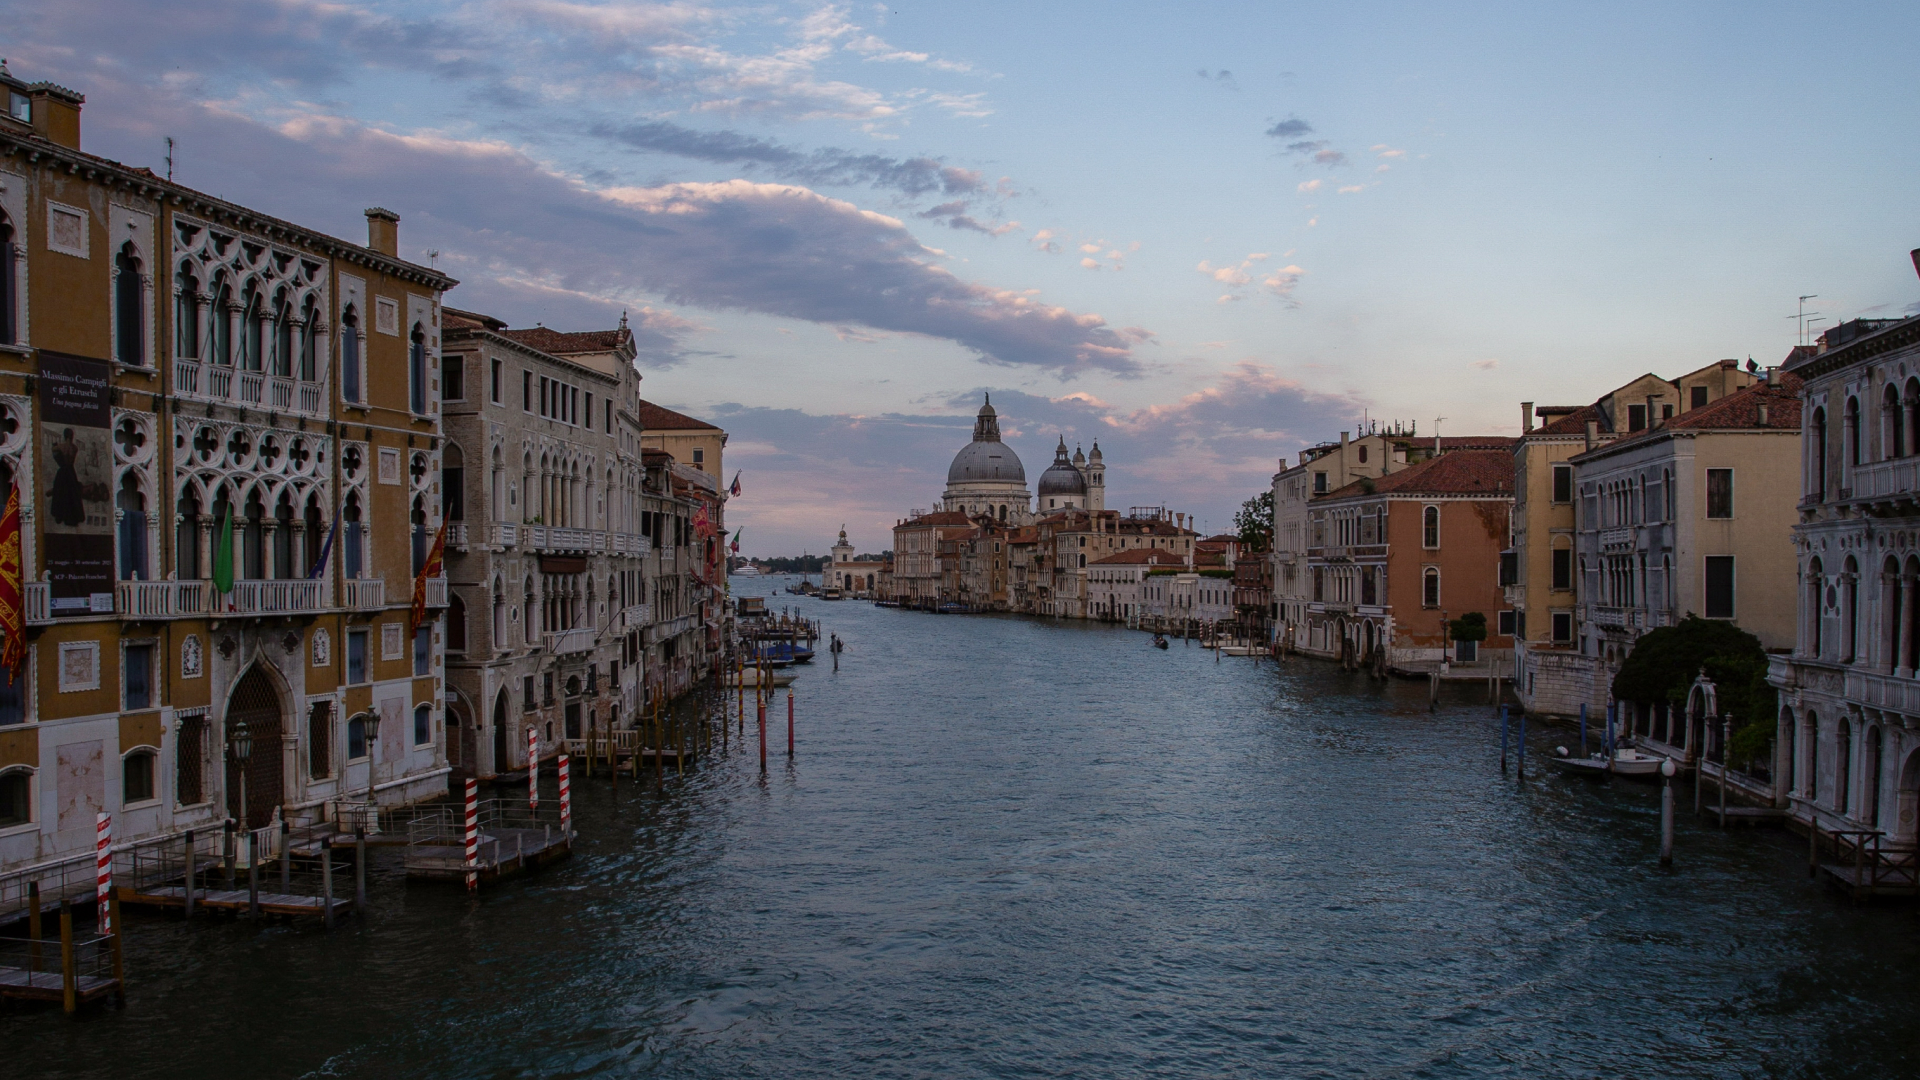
(533, 769)
(103, 868)
(473, 835)
(566, 799)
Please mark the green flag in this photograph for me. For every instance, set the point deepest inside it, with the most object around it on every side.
(223, 554)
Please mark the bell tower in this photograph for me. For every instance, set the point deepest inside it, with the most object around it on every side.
(1096, 480)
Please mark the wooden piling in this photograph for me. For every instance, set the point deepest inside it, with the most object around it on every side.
(193, 877)
(1666, 821)
(253, 874)
(326, 885)
(1520, 749)
(69, 975)
(360, 869)
(1583, 729)
(227, 851)
(1503, 740)
(1726, 761)
(789, 725)
(119, 952)
(33, 924)
(763, 736)
(286, 858)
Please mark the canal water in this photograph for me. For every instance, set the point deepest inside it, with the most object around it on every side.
(1027, 848)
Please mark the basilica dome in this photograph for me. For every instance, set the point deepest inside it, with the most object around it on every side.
(986, 459)
(1062, 478)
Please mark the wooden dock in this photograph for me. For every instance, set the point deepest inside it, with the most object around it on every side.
(271, 903)
(1749, 815)
(22, 984)
(510, 838)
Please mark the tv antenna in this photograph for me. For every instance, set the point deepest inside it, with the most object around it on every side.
(1803, 315)
(169, 159)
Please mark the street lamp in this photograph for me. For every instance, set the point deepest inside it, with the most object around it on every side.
(240, 741)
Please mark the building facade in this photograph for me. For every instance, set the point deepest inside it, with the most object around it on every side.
(189, 384)
(1846, 749)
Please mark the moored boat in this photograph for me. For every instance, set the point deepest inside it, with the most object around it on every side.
(1624, 762)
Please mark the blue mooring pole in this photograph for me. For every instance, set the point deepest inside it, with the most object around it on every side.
(1503, 740)
(1609, 743)
(1520, 748)
(1583, 729)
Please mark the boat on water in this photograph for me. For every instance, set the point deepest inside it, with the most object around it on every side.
(1238, 650)
(830, 593)
(1159, 642)
(1624, 762)
(781, 653)
(746, 570)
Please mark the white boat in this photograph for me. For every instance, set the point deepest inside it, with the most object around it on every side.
(1625, 762)
(746, 570)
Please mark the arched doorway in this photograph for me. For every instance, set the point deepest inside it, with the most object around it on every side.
(256, 703)
(462, 740)
(500, 733)
(1909, 800)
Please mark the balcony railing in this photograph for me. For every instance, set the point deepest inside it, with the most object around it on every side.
(503, 535)
(559, 539)
(363, 594)
(1617, 538)
(636, 616)
(218, 382)
(160, 599)
(39, 603)
(577, 640)
(1607, 616)
(436, 592)
(278, 597)
(1883, 479)
(1879, 691)
(457, 535)
(536, 537)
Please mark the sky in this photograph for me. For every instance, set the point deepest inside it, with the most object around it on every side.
(1203, 236)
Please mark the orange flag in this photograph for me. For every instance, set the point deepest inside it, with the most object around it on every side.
(435, 557)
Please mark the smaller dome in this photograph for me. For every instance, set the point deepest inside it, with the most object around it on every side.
(1061, 477)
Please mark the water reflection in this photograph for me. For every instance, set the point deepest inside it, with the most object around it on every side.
(1024, 847)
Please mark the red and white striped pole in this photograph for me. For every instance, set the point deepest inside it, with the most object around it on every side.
(103, 867)
(566, 798)
(533, 769)
(473, 835)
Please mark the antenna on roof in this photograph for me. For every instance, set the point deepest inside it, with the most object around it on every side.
(1803, 315)
(3, 69)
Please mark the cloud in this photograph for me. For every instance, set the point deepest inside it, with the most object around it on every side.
(766, 248)
(1046, 241)
(1350, 189)
(1486, 365)
(1278, 282)
(828, 166)
(1281, 283)
(1091, 264)
(1309, 185)
(1290, 128)
(1382, 150)
(1223, 77)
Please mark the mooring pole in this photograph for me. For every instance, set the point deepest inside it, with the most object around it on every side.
(1583, 729)
(789, 723)
(226, 849)
(286, 858)
(763, 736)
(1726, 761)
(326, 884)
(360, 868)
(193, 877)
(33, 925)
(253, 873)
(1520, 749)
(1666, 813)
(69, 978)
(1503, 740)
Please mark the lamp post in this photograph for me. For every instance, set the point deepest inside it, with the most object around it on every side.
(1666, 812)
(241, 739)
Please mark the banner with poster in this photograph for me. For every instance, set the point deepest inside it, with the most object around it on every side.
(76, 483)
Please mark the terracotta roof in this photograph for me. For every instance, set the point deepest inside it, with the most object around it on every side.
(1025, 534)
(942, 518)
(1459, 472)
(655, 418)
(1739, 410)
(1472, 442)
(455, 319)
(1575, 422)
(559, 343)
(1222, 538)
(1148, 556)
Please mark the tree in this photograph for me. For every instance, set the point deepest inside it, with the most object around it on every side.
(1664, 663)
(1469, 627)
(1254, 521)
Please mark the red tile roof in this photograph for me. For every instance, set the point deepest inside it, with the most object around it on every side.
(939, 519)
(559, 343)
(1458, 472)
(1739, 410)
(455, 319)
(1148, 556)
(1575, 422)
(656, 418)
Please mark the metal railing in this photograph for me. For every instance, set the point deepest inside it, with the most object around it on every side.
(42, 963)
(444, 826)
(71, 877)
(1875, 866)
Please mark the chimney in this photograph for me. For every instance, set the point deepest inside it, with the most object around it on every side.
(56, 114)
(383, 231)
(1593, 433)
(1526, 417)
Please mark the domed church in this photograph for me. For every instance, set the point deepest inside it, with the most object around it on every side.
(986, 477)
